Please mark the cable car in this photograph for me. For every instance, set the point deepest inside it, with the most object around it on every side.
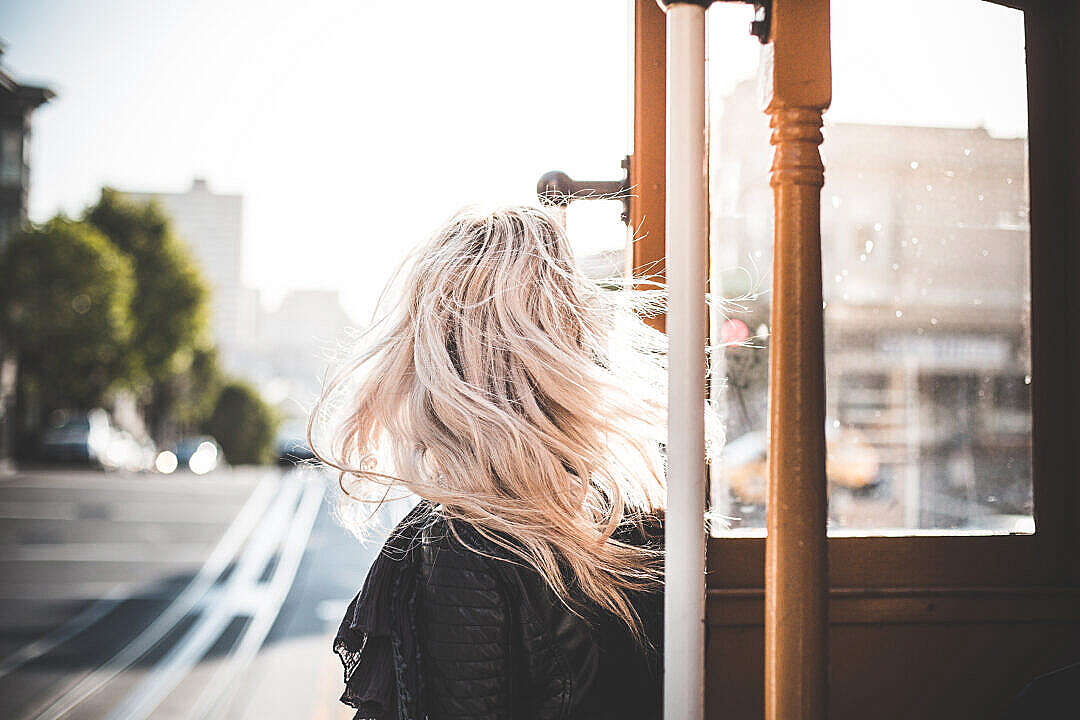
(925, 276)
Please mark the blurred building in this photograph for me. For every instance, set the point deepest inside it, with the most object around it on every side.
(17, 104)
(925, 244)
(297, 343)
(211, 225)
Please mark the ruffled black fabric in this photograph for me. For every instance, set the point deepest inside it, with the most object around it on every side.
(380, 646)
(378, 633)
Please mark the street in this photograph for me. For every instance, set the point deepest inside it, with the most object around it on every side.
(126, 596)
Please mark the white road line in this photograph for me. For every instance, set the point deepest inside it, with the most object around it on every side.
(34, 591)
(219, 559)
(65, 632)
(166, 511)
(106, 552)
(42, 510)
(187, 486)
(210, 701)
(189, 650)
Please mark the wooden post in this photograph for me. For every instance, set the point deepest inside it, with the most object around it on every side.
(647, 196)
(796, 557)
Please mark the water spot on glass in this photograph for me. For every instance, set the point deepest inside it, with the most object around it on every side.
(877, 227)
(977, 301)
(763, 330)
(836, 201)
(836, 423)
(914, 241)
(949, 174)
(985, 252)
(845, 297)
(869, 246)
(929, 188)
(1027, 379)
(918, 207)
(839, 278)
(981, 196)
(899, 313)
(862, 257)
(896, 266)
(757, 253)
(1008, 180)
(967, 151)
(933, 321)
(914, 165)
(991, 498)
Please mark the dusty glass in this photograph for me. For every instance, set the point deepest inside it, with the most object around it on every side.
(926, 280)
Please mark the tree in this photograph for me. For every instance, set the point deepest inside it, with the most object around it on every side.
(170, 307)
(65, 314)
(196, 390)
(243, 424)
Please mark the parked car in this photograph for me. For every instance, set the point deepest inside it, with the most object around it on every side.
(82, 437)
(199, 454)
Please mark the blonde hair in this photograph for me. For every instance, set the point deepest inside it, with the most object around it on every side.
(517, 395)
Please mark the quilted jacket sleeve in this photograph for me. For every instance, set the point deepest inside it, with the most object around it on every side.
(465, 635)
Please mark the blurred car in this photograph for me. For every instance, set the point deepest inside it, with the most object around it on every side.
(292, 445)
(83, 437)
(199, 454)
(123, 452)
(850, 463)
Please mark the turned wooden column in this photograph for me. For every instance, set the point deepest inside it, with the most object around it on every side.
(796, 558)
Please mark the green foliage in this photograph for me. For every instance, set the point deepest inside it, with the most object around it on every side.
(244, 425)
(65, 312)
(197, 389)
(170, 307)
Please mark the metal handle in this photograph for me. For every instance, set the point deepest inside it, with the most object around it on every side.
(558, 189)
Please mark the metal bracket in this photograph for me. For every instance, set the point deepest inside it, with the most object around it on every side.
(558, 189)
(759, 26)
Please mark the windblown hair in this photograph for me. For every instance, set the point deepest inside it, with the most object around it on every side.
(517, 395)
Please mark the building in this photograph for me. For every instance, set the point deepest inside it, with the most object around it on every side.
(17, 104)
(211, 224)
(298, 343)
(926, 282)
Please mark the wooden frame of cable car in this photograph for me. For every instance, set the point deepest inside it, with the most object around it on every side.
(982, 614)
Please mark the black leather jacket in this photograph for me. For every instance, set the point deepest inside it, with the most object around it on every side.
(454, 633)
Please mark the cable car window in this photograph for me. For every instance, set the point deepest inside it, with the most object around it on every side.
(926, 249)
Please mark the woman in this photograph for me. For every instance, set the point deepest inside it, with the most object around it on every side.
(525, 405)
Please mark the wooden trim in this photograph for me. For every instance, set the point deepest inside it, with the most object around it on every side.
(1052, 555)
(905, 606)
(796, 557)
(882, 562)
(648, 160)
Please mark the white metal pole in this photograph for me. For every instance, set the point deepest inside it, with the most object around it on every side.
(684, 604)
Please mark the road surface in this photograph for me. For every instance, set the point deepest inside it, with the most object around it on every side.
(135, 595)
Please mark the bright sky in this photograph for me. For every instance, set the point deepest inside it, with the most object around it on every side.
(354, 127)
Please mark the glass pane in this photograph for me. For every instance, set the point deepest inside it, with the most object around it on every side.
(925, 260)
